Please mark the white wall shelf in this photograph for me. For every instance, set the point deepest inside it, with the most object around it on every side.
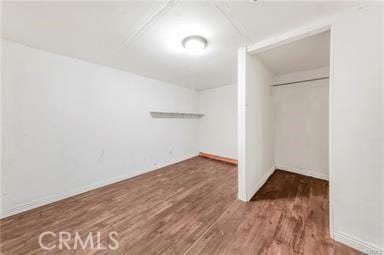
(176, 115)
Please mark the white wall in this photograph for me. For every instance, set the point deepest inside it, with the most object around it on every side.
(1, 132)
(255, 127)
(301, 123)
(382, 121)
(356, 131)
(356, 122)
(218, 127)
(70, 126)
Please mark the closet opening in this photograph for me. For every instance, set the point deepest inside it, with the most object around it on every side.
(283, 109)
(300, 95)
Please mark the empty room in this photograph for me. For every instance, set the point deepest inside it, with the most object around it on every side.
(192, 127)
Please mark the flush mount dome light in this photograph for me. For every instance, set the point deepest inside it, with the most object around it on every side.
(194, 44)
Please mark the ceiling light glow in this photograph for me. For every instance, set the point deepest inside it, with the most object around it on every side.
(194, 44)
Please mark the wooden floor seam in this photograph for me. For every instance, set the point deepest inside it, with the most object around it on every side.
(209, 227)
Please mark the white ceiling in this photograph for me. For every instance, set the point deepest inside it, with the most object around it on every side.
(305, 54)
(144, 37)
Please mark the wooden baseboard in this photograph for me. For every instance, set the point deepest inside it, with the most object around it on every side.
(219, 158)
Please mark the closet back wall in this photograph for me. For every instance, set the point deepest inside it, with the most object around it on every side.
(70, 126)
(302, 123)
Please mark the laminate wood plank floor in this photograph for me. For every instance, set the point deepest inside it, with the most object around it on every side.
(186, 208)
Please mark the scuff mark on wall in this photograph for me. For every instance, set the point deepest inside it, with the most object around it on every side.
(101, 156)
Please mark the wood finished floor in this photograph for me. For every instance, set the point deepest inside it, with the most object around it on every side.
(186, 208)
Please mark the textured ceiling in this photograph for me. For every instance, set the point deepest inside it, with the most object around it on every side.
(144, 37)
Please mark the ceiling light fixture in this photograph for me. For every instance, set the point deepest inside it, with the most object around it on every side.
(194, 44)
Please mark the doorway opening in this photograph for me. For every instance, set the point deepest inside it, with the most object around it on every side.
(284, 97)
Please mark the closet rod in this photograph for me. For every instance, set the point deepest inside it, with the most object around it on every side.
(293, 82)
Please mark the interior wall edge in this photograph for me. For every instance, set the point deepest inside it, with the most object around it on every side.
(261, 182)
(258, 143)
(241, 123)
(76, 191)
(382, 120)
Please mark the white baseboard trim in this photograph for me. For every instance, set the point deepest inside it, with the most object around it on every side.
(306, 172)
(357, 244)
(260, 183)
(76, 191)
